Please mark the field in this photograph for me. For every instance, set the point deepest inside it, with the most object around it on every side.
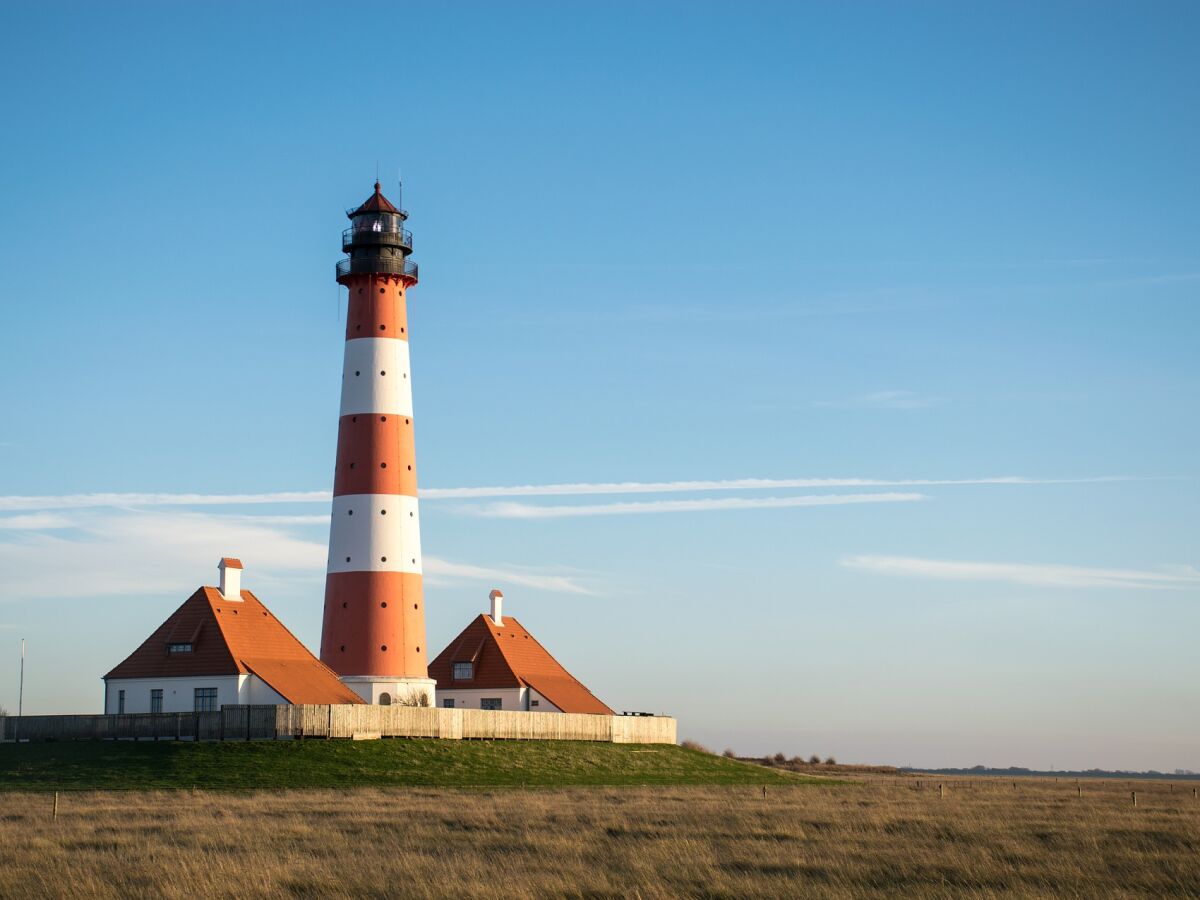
(233, 765)
(874, 837)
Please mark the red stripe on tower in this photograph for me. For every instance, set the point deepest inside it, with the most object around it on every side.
(373, 633)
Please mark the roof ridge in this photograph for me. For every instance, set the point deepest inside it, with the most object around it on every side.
(488, 624)
(199, 598)
(565, 670)
(288, 632)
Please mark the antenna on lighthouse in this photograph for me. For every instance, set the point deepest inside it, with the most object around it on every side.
(399, 188)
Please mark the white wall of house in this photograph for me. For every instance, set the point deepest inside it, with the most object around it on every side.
(538, 703)
(522, 698)
(255, 690)
(179, 693)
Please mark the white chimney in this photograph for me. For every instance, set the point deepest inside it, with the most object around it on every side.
(231, 578)
(497, 599)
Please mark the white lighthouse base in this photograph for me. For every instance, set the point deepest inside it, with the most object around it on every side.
(379, 690)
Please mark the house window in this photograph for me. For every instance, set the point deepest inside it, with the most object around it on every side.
(448, 704)
(535, 702)
(489, 703)
(206, 699)
(120, 702)
(464, 671)
(156, 700)
(385, 699)
(179, 648)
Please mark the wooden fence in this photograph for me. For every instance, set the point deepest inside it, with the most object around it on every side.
(257, 723)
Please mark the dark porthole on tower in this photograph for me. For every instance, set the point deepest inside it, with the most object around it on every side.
(383, 605)
(383, 647)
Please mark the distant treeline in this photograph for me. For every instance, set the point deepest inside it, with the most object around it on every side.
(1019, 771)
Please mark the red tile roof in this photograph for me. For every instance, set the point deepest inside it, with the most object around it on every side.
(232, 563)
(375, 203)
(508, 656)
(231, 638)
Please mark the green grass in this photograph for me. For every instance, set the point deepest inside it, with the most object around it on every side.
(124, 765)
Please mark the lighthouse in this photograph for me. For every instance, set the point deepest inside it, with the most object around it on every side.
(373, 633)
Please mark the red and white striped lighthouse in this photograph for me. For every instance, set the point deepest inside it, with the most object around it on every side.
(373, 634)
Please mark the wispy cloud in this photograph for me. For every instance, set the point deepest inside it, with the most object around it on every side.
(1036, 574)
(34, 522)
(26, 503)
(529, 511)
(440, 570)
(136, 552)
(735, 484)
(14, 503)
(883, 400)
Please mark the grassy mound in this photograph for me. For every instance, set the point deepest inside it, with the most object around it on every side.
(123, 765)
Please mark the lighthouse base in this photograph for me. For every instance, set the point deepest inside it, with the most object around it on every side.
(380, 690)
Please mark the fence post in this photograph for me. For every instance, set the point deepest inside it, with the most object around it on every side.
(1133, 794)
(54, 815)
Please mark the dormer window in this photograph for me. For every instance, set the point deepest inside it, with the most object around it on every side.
(464, 671)
(179, 648)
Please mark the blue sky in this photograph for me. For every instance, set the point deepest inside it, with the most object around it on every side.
(880, 256)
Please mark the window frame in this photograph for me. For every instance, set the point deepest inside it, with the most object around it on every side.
(120, 701)
(156, 700)
(485, 703)
(210, 693)
(464, 666)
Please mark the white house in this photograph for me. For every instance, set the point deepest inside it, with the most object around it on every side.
(496, 664)
(221, 646)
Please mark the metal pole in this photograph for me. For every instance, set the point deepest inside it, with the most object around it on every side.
(21, 689)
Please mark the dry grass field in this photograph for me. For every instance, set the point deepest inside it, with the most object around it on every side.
(874, 837)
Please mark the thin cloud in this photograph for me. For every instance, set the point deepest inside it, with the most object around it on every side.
(883, 400)
(440, 570)
(528, 511)
(85, 501)
(1033, 574)
(733, 484)
(43, 502)
(34, 522)
(132, 552)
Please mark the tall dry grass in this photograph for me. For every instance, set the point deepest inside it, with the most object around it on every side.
(876, 837)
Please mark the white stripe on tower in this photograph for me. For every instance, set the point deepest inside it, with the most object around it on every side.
(375, 377)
